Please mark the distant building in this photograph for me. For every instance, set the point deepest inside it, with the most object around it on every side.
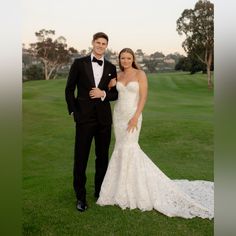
(169, 61)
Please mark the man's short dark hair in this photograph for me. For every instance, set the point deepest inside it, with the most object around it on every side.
(100, 35)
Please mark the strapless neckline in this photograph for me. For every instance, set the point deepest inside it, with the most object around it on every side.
(133, 81)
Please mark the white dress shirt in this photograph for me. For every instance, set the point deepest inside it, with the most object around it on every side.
(97, 70)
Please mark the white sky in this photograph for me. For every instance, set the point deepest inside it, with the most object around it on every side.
(149, 25)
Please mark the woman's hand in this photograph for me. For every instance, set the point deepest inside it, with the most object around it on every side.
(132, 125)
(112, 83)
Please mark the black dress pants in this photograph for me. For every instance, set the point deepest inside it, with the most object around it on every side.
(84, 135)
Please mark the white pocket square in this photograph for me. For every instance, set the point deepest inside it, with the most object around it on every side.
(109, 74)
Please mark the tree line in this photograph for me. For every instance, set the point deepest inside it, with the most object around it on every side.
(197, 24)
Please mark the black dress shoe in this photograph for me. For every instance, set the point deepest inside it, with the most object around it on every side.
(81, 205)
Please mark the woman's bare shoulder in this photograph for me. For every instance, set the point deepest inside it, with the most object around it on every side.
(119, 75)
(141, 75)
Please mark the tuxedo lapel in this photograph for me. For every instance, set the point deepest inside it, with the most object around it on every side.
(89, 70)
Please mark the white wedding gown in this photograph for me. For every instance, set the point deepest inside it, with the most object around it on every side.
(133, 181)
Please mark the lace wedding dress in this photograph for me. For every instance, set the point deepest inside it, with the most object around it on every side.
(133, 181)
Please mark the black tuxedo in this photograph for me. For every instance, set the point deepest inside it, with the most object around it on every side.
(93, 120)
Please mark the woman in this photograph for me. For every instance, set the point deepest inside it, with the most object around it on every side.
(132, 180)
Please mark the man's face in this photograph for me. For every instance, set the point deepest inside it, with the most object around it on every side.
(99, 46)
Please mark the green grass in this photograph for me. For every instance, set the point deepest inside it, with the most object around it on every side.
(177, 134)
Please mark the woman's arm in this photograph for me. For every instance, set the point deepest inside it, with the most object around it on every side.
(143, 88)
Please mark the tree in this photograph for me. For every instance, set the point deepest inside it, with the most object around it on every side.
(34, 72)
(139, 52)
(175, 56)
(196, 65)
(183, 64)
(151, 65)
(198, 26)
(108, 53)
(191, 64)
(52, 53)
(157, 55)
(83, 53)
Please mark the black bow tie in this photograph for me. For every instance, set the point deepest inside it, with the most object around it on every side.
(98, 61)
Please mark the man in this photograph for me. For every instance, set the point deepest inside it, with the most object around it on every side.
(92, 114)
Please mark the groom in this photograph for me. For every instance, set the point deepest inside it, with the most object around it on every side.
(91, 111)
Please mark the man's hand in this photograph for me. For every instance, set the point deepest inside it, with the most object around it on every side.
(96, 93)
(73, 115)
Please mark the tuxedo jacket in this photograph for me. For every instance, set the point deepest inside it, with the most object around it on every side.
(81, 79)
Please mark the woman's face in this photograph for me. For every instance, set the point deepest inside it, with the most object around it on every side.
(126, 60)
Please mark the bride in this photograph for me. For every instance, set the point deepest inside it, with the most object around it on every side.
(132, 180)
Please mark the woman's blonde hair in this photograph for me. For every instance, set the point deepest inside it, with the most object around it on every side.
(130, 51)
